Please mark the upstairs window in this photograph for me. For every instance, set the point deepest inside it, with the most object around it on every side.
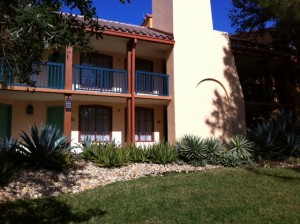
(97, 60)
(144, 65)
(96, 78)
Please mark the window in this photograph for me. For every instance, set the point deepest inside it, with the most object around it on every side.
(97, 60)
(93, 78)
(95, 122)
(144, 65)
(144, 125)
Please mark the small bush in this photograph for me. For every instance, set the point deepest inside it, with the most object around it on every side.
(240, 148)
(276, 137)
(192, 148)
(6, 171)
(108, 155)
(8, 158)
(138, 154)
(46, 148)
(162, 153)
(214, 151)
(8, 149)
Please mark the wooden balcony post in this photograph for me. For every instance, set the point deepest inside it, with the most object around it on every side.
(67, 115)
(69, 68)
(131, 52)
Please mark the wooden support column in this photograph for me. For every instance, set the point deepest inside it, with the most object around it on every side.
(69, 68)
(67, 115)
(128, 127)
(68, 86)
(128, 130)
(131, 45)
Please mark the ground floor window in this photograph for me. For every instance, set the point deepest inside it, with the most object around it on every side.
(95, 122)
(144, 121)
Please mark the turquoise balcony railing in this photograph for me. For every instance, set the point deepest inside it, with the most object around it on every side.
(100, 79)
(152, 83)
(51, 75)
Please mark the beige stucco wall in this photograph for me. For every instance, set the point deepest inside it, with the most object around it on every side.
(119, 60)
(21, 120)
(215, 106)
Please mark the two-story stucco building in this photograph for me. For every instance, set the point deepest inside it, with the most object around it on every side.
(171, 76)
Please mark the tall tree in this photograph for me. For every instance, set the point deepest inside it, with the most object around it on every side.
(30, 27)
(279, 18)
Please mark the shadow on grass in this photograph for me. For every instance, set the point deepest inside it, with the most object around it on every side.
(46, 210)
(277, 175)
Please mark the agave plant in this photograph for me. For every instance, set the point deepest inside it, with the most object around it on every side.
(214, 150)
(47, 147)
(109, 155)
(277, 137)
(192, 148)
(8, 157)
(6, 171)
(8, 149)
(240, 148)
(138, 154)
(162, 153)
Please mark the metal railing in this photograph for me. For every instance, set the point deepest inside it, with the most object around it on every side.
(152, 83)
(49, 75)
(100, 79)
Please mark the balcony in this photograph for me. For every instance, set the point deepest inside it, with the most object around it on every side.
(85, 78)
(100, 79)
(152, 83)
(88, 78)
(51, 75)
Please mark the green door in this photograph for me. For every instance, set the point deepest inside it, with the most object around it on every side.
(5, 120)
(55, 116)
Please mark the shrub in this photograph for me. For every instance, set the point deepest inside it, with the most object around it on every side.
(214, 151)
(192, 148)
(239, 148)
(276, 137)
(138, 154)
(8, 149)
(108, 155)
(162, 153)
(8, 158)
(46, 148)
(6, 171)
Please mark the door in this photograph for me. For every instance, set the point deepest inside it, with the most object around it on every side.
(5, 120)
(55, 116)
(56, 77)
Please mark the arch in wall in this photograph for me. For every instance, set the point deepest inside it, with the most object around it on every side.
(219, 119)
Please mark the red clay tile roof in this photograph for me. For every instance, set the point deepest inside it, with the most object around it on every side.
(134, 29)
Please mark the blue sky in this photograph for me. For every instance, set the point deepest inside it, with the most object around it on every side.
(134, 12)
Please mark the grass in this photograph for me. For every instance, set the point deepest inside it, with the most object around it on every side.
(258, 195)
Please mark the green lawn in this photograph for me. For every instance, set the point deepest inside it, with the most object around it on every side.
(265, 195)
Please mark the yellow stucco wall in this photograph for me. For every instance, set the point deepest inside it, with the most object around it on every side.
(119, 61)
(21, 120)
(208, 99)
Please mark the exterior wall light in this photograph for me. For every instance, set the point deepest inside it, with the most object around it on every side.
(68, 103)
(29, 109)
